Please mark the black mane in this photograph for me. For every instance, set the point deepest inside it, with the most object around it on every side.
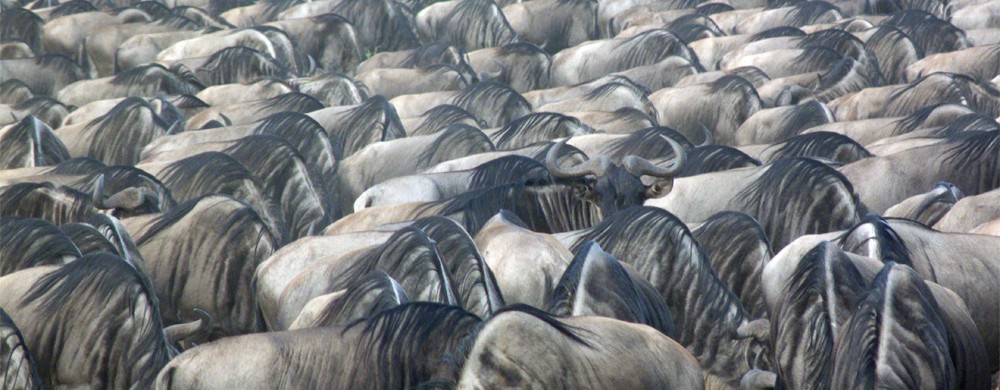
(826, 146)
(60, 63)
(71, 7)
(537, 127)
(412, 259)
(738, 248)
(808, 314)
(33, 200)
(508, 169)
(891, 245)
(846, 76)
(715, 158)
(977, 156)
(216, 172)
(882, 305)
(348, 308)
(458, 139)
(493, 102)
(32, 242)
(88, 239)
(783, 31)
(31, 143)
(432, 54)
(239, 64)
(800, 196)
(930, 33)
(475, 284)
(22, 24)
(161, 79)
(477, 24)
(288, 179)
(78, 166)
(18, 357)
(443, 115)
(124, 131)
(383, 25)
(625, 298)
(648, 143)
(404, 346)
(808, 12)
(86, 285)
(358, 131)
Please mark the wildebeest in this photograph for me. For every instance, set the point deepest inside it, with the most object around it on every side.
(969, 160)
(527, 348)
(429, 54)
(573, 198)
(329, 39)
(83, 344)
(553, 25)
(898, 299)
(824, 290)
(528, 271)
(66, 34)
(927, 208)
(395, 82)
(102, 43)
(413, 339)
(684, 108)
(142, 81)
(790, 197)
(218, 266)
(409, 256)
(118, 136)
(970, 212)
(578, 64)
(472, 24)
(59, 71)
(30, 143)
(522, 66)
(32, 242)
(595, 283)
(295, 164)
(705, 311)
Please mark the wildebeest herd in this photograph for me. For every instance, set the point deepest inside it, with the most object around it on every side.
(614, 194)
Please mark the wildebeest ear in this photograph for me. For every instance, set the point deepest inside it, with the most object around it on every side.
(487, 76)
(784, 98)
(660, 188)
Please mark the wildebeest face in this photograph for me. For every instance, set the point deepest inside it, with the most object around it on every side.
(615, 187)
(618, 190)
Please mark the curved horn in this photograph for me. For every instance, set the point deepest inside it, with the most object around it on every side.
(709, 135)
(639, 166)
(180, 332)
(98, 194)
(595, 166)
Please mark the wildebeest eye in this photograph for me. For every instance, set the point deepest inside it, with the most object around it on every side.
(584, 191)
(660, 188)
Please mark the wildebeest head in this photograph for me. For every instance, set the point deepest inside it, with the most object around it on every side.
(615, 187)
(130, 201)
